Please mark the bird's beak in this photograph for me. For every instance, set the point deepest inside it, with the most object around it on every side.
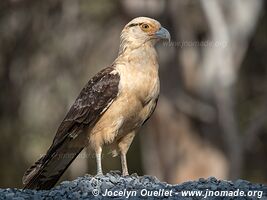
(163, 33)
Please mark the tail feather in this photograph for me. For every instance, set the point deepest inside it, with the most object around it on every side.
(45, 173)
(33, 170)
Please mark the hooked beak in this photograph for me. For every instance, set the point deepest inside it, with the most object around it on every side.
(163, 33)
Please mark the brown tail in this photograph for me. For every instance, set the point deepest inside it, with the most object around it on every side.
(45, 173)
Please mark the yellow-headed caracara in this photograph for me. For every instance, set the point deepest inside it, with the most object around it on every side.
(110, 108)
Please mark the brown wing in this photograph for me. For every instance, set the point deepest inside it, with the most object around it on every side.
(151, 111)
(94, 99)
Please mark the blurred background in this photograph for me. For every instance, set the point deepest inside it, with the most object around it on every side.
(211, 119)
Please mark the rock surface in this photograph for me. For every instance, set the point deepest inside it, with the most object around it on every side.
(114, 186)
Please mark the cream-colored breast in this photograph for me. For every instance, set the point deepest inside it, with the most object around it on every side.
(138, 91)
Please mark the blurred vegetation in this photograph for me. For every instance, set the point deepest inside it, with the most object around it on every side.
(49, 49)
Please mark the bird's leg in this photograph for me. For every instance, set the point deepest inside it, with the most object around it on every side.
(123, 147)
(98, 161)
(124, 164)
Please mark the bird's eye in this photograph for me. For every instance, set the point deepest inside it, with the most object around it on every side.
(145, 27)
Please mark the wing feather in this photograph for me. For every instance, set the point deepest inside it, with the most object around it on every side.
(95, 97)
(92, 102)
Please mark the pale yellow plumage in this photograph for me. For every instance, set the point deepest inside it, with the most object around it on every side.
(139, 86)
(111, 107)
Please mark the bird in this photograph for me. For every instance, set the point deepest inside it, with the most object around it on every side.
(110, 109)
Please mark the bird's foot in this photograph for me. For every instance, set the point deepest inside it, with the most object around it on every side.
(99, 174)
(125, 173)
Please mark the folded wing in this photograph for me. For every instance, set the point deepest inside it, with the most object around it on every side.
(94, 99)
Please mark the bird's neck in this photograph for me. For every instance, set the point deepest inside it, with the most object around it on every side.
(139, 56)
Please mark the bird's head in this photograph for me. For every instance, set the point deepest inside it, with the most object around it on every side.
(142, 30)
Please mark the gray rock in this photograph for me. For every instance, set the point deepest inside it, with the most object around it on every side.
(84, 188)
(18, 198)
(106, 185)
(113, 179)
